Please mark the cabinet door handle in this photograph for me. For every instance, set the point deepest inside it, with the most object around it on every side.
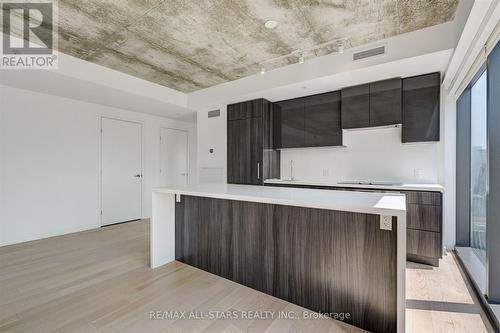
(258, 170)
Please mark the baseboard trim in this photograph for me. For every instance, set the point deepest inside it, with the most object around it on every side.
(494, 321)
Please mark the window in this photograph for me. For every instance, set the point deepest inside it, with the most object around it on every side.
(478, 166)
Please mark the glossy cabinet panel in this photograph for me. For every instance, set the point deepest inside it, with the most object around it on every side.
(243, 151)
(421, 110)
(290, 123)
(356, 106)
(322, 120)
(244, 110)
(373, 104)
(250, 157)
(312, 121)
(385, 102)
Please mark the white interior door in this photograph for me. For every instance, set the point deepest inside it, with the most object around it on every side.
(174, 157)
(121, 166)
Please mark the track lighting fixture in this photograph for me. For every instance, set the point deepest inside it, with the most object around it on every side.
(301, 57)
(339, 44)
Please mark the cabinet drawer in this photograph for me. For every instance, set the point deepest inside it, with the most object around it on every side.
(423, 217)
(423, 243)
(423, 198)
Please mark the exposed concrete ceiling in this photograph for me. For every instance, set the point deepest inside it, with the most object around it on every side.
(191, 45)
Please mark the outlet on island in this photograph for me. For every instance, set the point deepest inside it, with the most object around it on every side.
(385, 222)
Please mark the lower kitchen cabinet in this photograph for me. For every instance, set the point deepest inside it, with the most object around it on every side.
(423, 246)
(423, 217)
(424, 222)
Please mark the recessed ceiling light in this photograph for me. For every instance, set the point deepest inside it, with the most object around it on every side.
(271, 24)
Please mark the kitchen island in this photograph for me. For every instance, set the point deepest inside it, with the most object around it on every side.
(424, 212)
(336, 252)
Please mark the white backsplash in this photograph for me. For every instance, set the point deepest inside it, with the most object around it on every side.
(375, 154)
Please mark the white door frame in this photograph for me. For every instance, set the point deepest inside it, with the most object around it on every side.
(101, 117)
(187, 149)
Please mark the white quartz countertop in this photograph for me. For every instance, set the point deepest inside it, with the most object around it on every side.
(398, 187)
(360, 202)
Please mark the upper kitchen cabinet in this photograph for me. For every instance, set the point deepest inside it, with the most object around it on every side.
(373, 104)
(250, 155)
(312, 121)
(385, 102)
(421, 108)
(289, 123)
(356, 106)
(322, 124)
(249, 109)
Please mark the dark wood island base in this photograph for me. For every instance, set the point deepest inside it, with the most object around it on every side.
(324, 260)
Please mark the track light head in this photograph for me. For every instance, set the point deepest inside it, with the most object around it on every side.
(301, 57)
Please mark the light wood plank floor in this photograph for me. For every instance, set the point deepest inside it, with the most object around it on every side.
(99, 281)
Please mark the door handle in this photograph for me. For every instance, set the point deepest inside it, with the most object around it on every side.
(258, 170)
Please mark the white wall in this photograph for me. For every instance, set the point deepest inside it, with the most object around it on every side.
(212, 134)
(370, 154)
(449, 126)
(50, 161)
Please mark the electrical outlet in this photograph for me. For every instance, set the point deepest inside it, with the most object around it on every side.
(385, 222)
(326, 172)
(417, 173)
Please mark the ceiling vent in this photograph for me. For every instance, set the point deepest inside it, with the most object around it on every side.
(213, 114)
(368, 53)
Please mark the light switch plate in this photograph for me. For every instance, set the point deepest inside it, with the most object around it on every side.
(385, 222)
